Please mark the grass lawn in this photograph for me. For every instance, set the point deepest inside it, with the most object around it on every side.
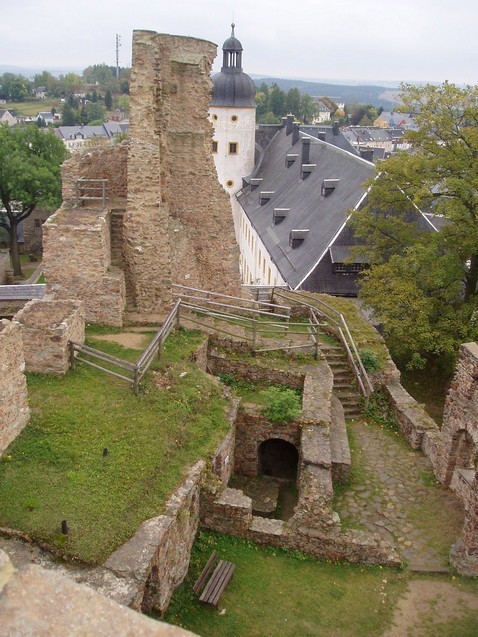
(55, 470)
(32, 107)
(279, 593)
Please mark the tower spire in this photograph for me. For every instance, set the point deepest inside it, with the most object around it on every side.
(232, 29)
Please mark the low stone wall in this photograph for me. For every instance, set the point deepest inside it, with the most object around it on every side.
(255, 373)
(34, 601)
(77, 263)
(47, 326)
(157, 556)
(412, 419)
(230, 511)
(14, 411)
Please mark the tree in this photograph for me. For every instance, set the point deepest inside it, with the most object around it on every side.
(308, 108)
(15, 88)
(108, 100)
(276, 101)
(292, 101)
(30, 161)
(423, 285)
(94, 111)
(69, 115)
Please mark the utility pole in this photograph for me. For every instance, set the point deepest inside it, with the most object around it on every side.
(118, 44)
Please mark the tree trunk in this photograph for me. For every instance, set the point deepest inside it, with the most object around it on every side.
(471, 278)
(14, 252)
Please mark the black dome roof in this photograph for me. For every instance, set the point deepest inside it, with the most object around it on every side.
(233, 87)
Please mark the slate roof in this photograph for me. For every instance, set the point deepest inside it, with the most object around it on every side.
(108, 130)
(331, 136)
(22, 292)
(323, 216)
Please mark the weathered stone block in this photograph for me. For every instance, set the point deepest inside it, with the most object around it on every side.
(47, 327)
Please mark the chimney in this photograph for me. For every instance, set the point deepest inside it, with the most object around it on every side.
(336, 128)
(289, 122)
(305, 150)
(321, 135)
(295, 133)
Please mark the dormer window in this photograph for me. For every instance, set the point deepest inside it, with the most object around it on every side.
(328, 186)
(279, 215)
(297, 236)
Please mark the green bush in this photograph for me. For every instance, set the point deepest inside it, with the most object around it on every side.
(370, 360)
(282, 405)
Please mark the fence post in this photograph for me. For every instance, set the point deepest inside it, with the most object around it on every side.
(72, 355)
(136, 380)
(178, 315)
(254, 336)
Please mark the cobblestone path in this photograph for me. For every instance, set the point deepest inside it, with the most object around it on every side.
(393, 492)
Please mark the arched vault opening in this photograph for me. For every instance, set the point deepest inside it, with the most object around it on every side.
(278, 458)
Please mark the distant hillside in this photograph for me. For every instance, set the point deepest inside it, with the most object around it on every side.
(30, 72)
(376, 95)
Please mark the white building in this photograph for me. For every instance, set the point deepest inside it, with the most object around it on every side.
(233, 115)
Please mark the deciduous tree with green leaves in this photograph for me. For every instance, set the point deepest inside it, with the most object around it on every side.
(30, 161)
(423, 285)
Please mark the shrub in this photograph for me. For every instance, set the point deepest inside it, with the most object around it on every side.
(370, 360)
(282, 405)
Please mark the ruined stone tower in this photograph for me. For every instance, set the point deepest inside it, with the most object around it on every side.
(162, 216)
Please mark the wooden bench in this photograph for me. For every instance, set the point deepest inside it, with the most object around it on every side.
(212, 591)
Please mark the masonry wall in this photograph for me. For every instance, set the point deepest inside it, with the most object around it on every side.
(47, 327)
(14, 411)
(77, 263)
(107, 162)
(178, 226)
(34, 601)
(156, 558)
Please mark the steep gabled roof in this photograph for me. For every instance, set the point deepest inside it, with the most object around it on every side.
(302, 201)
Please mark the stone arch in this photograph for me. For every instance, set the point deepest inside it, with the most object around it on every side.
(278, 458)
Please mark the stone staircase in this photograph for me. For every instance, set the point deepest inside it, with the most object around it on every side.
(344, 381)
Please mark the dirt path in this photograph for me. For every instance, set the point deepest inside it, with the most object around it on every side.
(430, 608)
(132, 340)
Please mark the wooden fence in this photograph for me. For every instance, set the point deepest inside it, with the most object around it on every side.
(257, 318)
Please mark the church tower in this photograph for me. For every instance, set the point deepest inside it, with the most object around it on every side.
(233, 115)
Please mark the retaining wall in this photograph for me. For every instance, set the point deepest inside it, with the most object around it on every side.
(14, 411)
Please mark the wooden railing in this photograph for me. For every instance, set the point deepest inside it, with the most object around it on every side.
(91, 190)
(256, 317)
(130, 372)
(324, 312)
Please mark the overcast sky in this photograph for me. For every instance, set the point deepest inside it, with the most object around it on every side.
(394, 40)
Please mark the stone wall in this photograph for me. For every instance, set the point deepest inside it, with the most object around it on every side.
(219, 364)
(157, 556)
(230, 511)
(4, 265)
(14, 411)
(34, 601)
(412, 419)
(107, 162)
(77, 263)
(178, 226)
(47, 327)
